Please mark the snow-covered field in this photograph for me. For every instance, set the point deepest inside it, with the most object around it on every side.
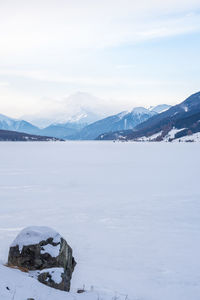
(130, 211)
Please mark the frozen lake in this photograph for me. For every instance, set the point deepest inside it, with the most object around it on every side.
(130, 211)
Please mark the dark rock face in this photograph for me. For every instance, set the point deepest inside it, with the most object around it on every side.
(61, 280)
(44, 250)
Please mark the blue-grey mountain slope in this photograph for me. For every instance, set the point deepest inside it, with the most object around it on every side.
(54, 130)
(63, 130)
(160, 108)
(78, 130)
(177, 122)
(122, 121)
(7, 123)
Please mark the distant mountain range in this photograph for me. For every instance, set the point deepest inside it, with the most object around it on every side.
(7, 123)
(79, 107)
(82, 131)
(54, 130)
(160, 123)
(62, 130)
(122, 121)
(179, 123)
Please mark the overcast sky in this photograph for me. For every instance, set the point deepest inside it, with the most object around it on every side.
(125, 52)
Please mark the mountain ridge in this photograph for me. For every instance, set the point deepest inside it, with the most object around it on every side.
(127, 120)
(164, 122)
(80, 130)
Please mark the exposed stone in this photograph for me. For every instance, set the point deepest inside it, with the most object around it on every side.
(80, 291)
(43, 249)
(56, 278)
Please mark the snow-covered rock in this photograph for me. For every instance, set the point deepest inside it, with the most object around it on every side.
(34, 235)
(17, 285)
(42, 248)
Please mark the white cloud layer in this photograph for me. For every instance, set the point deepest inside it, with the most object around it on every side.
(51, 41)
(29, 26)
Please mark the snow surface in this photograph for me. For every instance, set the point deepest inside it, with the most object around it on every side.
(185, 108)
(150, 138)
(50, 249)
(140, 110)
(34, 234)
(171, 137)
(130, 212)
(171, 134)
(6, 119)
(16, 285)
(55, 274)
(160, 108)
(195, 137)
(122, 114)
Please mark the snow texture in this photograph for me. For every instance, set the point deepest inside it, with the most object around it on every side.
(55, 274)
(140, 110)
(195, 137)
(130, 212)
(160, 108)
(171, 134)
(16, 285)
(34, 235)
(150, 138)
(122, 114)
(50, 249)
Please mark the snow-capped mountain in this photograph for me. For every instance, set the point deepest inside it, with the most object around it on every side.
(7, 123)
(122, 121)
(180, 122)
(160, 108)
(79, 107)
(83, 107)
(58, 130)
(81, 125)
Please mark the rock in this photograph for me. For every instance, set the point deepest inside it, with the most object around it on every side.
(56, 278)
(42, 249)
(80, 291)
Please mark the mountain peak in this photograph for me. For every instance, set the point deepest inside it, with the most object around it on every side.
(122, 114)
(160, 108)
(140, 110)
(5, 118)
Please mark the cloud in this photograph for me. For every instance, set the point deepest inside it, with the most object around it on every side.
(38, 27)
(50, 48)
(104, 81)
(4, 84)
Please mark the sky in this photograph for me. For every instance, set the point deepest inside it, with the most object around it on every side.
(126, 53)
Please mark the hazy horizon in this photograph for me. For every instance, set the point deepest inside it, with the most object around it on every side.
(84, 108)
